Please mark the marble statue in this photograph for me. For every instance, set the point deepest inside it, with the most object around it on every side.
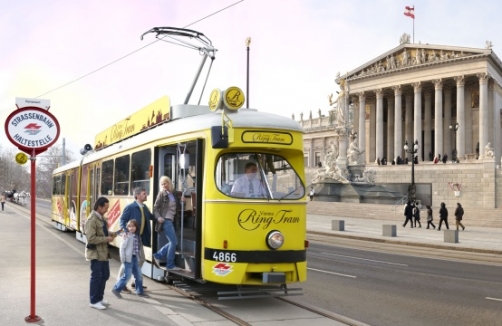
(392, 62)
(332, 154)
(368, 176)
(331, 172)
(341, 104)
(301, 116)
(432, 56)
(353, 152)
(418, 58)
(489, 150)
(406, 58)
(404, 39)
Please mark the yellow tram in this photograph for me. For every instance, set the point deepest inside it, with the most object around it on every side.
(226, 235)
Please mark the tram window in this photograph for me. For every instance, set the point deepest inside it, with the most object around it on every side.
(107, 177)
(122, 175)
(63, 185)
(54, 185)
(258, 175)
(140, 169)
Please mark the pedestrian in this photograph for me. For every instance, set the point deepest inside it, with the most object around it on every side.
(459, 213)
(312, 193)
(408, 214)
(443, 216)
(165, 210)
(416, 214)
(96, 251)
(429, 217)
(2, 200)
(130, 251)
(137, 210)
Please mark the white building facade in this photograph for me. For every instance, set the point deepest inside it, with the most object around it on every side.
(447, 98)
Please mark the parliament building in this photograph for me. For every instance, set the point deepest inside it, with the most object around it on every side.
(448, 99)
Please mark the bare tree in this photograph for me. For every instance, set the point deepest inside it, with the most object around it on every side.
(12, 175)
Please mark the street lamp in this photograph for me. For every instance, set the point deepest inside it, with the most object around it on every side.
(454, 128)
(412, 189)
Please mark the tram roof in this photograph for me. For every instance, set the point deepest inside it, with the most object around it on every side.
(184, 123)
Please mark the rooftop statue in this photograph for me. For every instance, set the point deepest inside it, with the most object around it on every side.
(489, 150)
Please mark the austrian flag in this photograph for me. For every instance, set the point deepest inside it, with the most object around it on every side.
(409, 11)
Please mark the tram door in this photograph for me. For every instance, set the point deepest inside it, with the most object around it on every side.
(180, 163)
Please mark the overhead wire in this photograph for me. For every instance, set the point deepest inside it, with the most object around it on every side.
(133, 52)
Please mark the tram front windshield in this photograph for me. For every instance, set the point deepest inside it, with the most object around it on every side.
(258, 175)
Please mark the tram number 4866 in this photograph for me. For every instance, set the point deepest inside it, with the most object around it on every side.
(225, 256)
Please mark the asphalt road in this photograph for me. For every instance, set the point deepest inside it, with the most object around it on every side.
(380, 288)
(398, 285)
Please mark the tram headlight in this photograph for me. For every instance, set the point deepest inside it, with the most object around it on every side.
(275, 239)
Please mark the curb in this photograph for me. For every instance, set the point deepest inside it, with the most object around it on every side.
(407, 243)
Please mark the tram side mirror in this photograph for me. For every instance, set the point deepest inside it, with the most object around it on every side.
(86, 149)
(219, 140)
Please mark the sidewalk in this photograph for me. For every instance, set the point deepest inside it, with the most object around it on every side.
(473, 239)
(62, 289)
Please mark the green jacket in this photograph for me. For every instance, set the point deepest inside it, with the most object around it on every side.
(96, 236)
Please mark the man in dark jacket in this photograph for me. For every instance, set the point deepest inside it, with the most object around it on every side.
(408, 213)
(443, 216)
(137, 210)
(459, 213)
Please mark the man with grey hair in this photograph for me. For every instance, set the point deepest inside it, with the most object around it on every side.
(137, 210)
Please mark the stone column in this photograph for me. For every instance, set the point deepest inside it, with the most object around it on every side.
(438, 117)
(408, 118)
(398, 125)
(448, 134)
(390, 128)
(460, 135)
(362, 123)
(417, 128)
(496, 122)
(470, 143)
(483, 113)
(311, 154)
(379, 123)
(372, 133)
(491, 102)
(428, 125)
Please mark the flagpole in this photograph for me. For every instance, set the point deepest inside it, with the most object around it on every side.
(413, 23)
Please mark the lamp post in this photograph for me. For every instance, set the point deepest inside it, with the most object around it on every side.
(454, 128)
(412, 189)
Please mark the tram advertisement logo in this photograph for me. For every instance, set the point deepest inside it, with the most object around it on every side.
(114, 213)
(267, 137)
(251, 219)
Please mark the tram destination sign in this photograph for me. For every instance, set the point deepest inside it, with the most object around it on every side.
(32, 128)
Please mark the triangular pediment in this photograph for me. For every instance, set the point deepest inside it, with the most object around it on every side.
(408, 56)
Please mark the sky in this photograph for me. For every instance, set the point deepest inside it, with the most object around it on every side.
(87, 58)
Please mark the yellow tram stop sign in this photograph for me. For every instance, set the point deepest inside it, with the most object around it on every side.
(21, 158)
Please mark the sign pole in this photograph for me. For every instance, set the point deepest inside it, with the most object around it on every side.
(33, 130)
(33, 318)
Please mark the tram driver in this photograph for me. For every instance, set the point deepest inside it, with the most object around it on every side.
(249, 185)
